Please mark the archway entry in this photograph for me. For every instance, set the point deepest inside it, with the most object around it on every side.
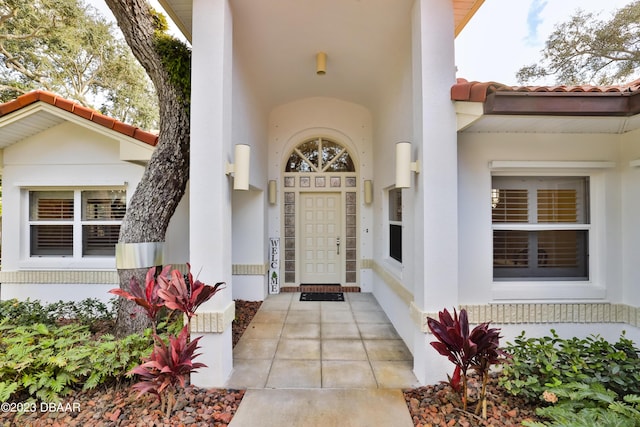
(320, 209)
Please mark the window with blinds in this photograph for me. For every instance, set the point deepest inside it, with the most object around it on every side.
(395, 224)
(75, 223)
(540, 227)
(102, 213)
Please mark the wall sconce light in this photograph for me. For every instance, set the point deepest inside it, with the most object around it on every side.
(404, 165)
(273, 192)
(321, 63)
(240, 169)
(368, 191)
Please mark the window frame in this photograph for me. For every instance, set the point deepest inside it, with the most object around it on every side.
(394, 223)
(594, 288)
(534, 228)
(77, 258)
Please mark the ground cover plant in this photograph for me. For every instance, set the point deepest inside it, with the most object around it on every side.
(43, 357)
(576, 381)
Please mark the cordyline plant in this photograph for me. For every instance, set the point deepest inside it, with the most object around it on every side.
(477, 350)
(169, 365)
(148, 297)
(185, 295)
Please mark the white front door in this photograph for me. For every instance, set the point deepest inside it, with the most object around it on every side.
(321, 247)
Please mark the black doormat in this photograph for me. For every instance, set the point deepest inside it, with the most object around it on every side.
(322, 296)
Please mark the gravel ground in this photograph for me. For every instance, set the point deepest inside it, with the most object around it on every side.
(430, 406)
(438, 405)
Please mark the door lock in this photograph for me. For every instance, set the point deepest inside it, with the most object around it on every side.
(338, 244)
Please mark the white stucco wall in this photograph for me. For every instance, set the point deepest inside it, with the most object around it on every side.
(249, 236)
(477, 150)
(65, 156)
(629, 152)
(344, 122)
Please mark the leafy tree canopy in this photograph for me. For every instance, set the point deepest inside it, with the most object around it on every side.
(66, 47)
(587, 50)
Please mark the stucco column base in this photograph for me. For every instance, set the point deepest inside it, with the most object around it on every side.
(216, 346)
(216, 349)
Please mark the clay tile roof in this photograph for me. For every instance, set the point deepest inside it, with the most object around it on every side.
(79, 110)
(464, 90)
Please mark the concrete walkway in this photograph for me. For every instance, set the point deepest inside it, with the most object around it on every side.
(322, 364)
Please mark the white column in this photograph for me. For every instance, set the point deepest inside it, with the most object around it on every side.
(436, 190)
(210, 197)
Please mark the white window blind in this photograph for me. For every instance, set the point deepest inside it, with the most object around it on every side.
(75, 222)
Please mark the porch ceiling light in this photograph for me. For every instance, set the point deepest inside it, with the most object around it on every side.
(321, 63)
(404, 165)
(240, 169)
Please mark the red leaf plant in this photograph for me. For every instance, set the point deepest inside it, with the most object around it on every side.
(168, 366)
(148, 298)
(185, 295)
(478, 349)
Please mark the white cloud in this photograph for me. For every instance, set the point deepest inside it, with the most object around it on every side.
(534, 20)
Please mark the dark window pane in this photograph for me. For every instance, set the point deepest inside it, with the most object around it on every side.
(561, 254)
(395, 242)
(99, 239)
(51, 240)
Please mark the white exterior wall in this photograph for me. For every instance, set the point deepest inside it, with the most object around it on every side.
(613, 237)
(249, 235)
(71, 156)
(630, 152)
(344, 122)
(476, 271)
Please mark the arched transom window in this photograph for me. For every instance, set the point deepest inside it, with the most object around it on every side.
(320, 155)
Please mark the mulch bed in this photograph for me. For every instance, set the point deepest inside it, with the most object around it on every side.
(430, 406)
(439, 405)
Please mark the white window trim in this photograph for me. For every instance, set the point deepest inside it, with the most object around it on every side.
(75, 262)
(540, 290)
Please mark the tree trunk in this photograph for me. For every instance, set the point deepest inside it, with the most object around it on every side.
(165, 177)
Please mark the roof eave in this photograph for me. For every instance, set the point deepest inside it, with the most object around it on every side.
(617, 104)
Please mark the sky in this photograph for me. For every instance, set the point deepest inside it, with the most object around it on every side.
(505, 35)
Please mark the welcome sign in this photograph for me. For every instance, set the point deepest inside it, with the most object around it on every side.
(274, 266)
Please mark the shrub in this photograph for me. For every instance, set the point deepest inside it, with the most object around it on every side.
(538, 364)
(47, 362)
(91, 312)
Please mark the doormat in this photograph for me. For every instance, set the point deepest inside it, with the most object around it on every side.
(322, 296)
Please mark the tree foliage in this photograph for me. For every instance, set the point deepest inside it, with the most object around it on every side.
(586, 49)
(66, 47)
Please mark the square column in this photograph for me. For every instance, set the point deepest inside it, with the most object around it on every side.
(210, 188)
(436, 186)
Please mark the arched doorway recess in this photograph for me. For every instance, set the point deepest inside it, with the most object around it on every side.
(320, 212)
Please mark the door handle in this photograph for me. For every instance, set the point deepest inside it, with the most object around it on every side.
(338, 244)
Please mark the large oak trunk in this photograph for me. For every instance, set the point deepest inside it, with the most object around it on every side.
(165, 177)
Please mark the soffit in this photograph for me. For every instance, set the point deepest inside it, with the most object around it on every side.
(553, 124)
(276, 41)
